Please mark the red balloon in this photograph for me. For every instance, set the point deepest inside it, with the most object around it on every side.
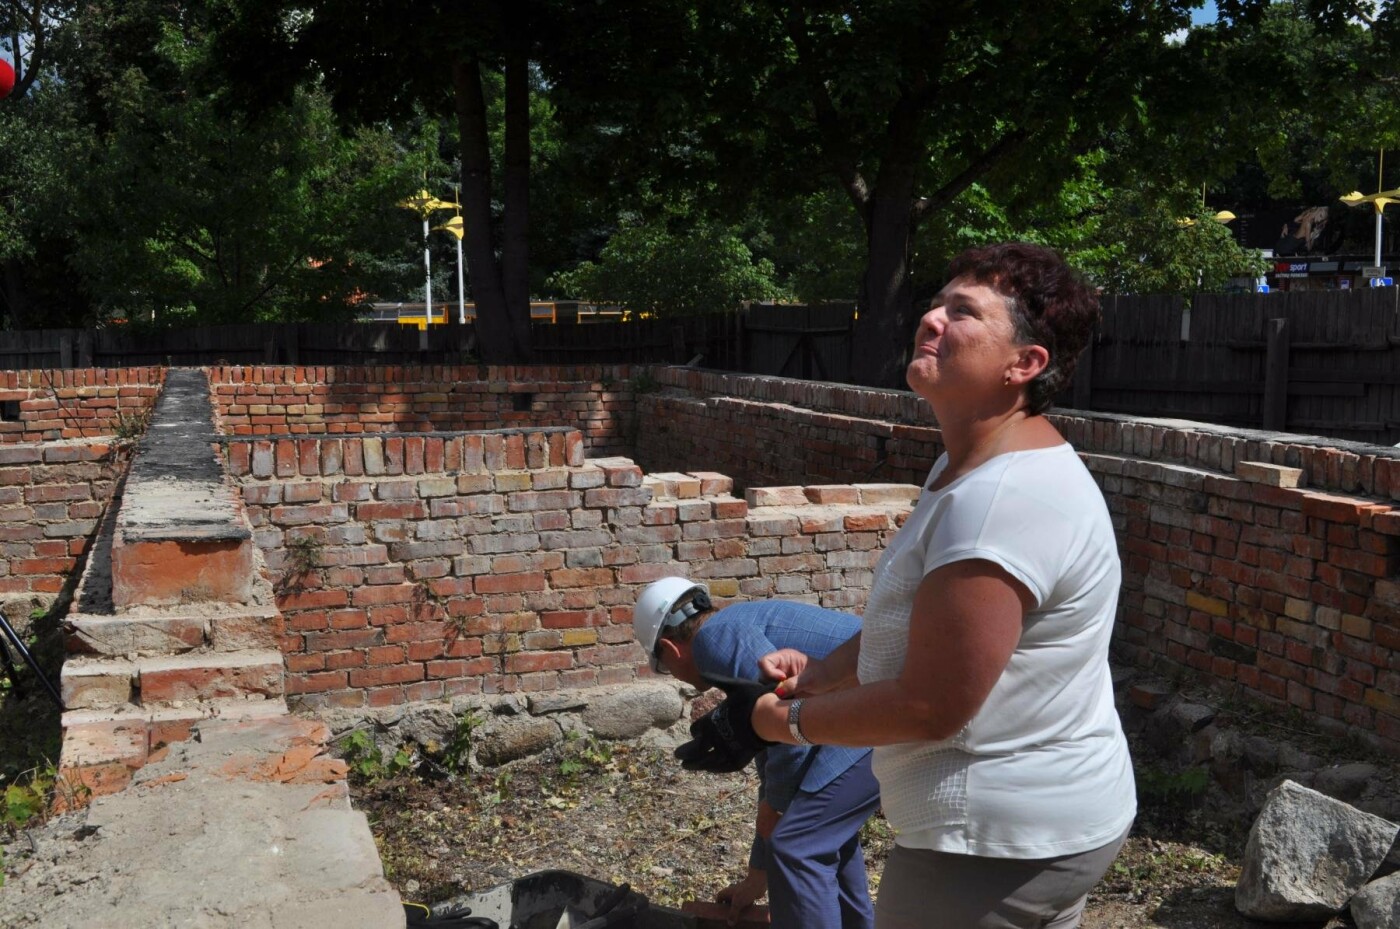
(7, 79)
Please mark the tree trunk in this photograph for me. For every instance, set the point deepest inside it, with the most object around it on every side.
(884, 330)
(492, 322)
(515, 248)
(14, 302)
(885, 327)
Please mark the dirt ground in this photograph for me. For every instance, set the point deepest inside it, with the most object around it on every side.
(627, 813)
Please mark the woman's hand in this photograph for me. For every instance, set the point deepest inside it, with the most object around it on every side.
(769, 719)
(742, 895)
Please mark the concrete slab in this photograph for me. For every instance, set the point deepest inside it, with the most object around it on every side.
(212, 836)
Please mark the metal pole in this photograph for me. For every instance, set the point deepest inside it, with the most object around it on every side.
(428, 271)
(9, 632)
(461, 288)
(1380, 207)
(1377, 262)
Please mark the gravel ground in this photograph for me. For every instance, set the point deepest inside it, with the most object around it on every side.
(624, 812)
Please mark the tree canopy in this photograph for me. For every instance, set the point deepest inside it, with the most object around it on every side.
(229, 160)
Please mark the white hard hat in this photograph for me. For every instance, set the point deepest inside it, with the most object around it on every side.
(665, 603)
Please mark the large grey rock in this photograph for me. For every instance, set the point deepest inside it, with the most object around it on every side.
(1307, 855)
(432, 726)
(557, 702)
(1345, 782)
(1170, 731)
(510, 737)
(631, 711)
(1377, 905)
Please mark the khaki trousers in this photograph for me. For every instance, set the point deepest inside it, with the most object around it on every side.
(922, 889)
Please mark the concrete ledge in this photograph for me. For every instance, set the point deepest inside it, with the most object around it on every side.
(245, 825)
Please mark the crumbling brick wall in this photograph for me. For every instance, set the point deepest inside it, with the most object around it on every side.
(350, 400)
(445, 565)
(767, 430)
(447, 562)
(43, 406)
(51, 498)
(1289, 594)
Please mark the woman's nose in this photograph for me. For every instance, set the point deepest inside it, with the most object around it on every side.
(934, 319)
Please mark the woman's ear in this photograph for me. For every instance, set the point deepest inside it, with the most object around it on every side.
(1030, 362)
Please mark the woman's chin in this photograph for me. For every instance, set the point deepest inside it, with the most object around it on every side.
(921, 375)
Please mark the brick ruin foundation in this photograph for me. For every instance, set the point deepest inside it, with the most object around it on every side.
(419, 533)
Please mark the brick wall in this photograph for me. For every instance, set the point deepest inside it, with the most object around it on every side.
(272, 400)
(51, 498)
(447, 562)
(470, 563)
(41, 406)
(791, 430)
(1289, 594)
(767, 430)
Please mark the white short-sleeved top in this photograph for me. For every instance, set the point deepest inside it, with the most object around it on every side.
(1042, 769)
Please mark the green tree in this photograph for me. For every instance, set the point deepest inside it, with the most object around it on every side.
(906, 104)
(382, 60)
(134, 177)
(653, 270)
(1289, 103)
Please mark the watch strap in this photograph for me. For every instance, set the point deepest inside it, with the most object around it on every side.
(794, 720)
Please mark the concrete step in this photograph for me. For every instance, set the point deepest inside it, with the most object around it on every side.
(148, 631)
(246, 825)
(199, 676)
(104, 748)
(107, 683)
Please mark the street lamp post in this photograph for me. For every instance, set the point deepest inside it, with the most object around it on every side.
(1380, 200)
(458, 228)
(424, 203)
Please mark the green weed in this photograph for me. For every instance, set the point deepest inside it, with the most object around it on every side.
(367, 763)
(129, 426)
(501, 794)
(584, 753)
(303, 557)
(458, 752)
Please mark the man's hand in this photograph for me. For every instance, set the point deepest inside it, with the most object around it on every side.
(744, 894)
(785, 665)
(766, 820)
(799, 674)
(723, 739)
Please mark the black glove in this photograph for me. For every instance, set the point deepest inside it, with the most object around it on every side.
(447, 916)
(723, 739)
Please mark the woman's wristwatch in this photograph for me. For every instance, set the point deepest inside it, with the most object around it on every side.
(795, 723)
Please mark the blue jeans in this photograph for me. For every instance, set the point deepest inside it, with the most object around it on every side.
(816, 869)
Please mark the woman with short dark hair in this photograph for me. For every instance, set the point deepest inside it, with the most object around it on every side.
(981, 673)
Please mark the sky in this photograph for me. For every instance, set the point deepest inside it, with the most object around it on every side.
(1205, 14)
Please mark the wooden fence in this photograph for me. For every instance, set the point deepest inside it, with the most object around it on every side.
(793, 341)
(1325, 363)
(1310, 362)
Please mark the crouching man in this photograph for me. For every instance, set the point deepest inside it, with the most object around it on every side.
(812, 800)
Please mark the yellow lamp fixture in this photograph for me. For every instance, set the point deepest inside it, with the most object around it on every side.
(455, 225)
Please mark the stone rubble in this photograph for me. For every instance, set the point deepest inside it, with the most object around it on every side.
(1308, 855)
(1377, 905)
(1321, 831)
